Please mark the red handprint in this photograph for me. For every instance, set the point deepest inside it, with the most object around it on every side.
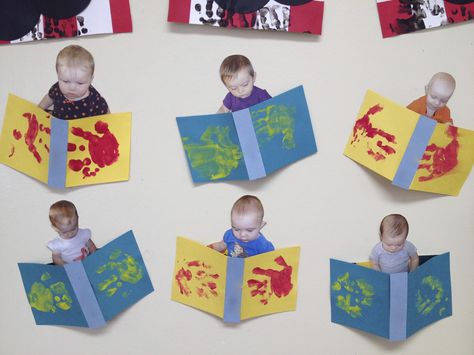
(203, 284)
(363, 127)
(103, 149)
(441, 160)
(280, 281)
(31, 135)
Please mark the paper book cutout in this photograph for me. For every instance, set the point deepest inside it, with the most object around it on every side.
(235, 289)
(91, 292)
(404, 16)
(393, 306)
(411, 150)
(304, 16)
(251, 143)
(27, 20)
(64, 153)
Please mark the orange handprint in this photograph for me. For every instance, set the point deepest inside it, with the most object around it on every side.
(201, 280)
(364, 127)
(440, 160)
(280, 281)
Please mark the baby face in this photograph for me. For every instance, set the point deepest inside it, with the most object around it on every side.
(67, 228)
(241, 84)
(74, 82)
(438, 95)
(246, 227)
(392, 242)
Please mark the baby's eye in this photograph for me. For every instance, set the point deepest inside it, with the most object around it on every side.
(250, 230)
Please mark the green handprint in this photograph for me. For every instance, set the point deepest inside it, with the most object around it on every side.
(46, 299)
(126, 270)
(277, 119)
(362, 291)
(430, 296)
(215, 156)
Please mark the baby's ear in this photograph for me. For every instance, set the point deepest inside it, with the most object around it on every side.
(426, 89)
(254, 77)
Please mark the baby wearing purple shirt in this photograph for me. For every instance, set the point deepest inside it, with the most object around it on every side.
(238, 76)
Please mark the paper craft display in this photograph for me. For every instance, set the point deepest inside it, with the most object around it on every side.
(30, 20)
(235, 288)
(304, 16)
(251, 143)
(64, 153)
(404, 16)
(411, 150)
(393, 306)
(91, 292)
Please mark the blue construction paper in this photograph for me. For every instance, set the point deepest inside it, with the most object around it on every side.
(233, 289)
(429, 293)
(193, 130)
(58, 153)
(283, 128)
(362, 299)
(414, 152)
(85, 294)
(249, 144)
(398, 306)
(113, 273)
(48, 278)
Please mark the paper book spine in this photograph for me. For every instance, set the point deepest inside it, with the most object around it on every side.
(233, 289)
(249, 144)
(398, 306)
(58, 153)
(85, 295)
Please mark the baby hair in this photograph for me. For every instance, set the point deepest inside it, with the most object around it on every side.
(62, 211)
(234, 63)
(75, 56)
(247, 203)
(394, 222)
(446, 78)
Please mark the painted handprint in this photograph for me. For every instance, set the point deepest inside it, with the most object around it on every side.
(47, 296)
(195, 277)
(430, 296)
(275, 120)
(438, 161)
(215, 156)
(364, 128)
(32, 136)
(280, 281)
(122, 268)
(352, 294)
(103, 149)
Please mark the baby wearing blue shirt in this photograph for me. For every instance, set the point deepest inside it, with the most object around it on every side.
(394, 253)
(244, 238)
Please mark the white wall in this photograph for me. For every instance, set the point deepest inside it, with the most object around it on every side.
(327, 204)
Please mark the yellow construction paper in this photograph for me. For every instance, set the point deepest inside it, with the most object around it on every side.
(107, 149)
(381, 134)
(199, 277)
(25, 138)
(270, 283)
(447, 162)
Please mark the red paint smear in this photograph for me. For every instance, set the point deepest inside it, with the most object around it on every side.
(376, 155)
(31, 134)
(103, 149)
(46, 147)
(45, 129)
(364, 127)
(200, 273)
(280, 280)
(214, 276)
(181, 277)
(12, 151)
(441, 160)
(194, 263)
(71, 147)
(212, 285)
(17, 134)
(82, 148)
